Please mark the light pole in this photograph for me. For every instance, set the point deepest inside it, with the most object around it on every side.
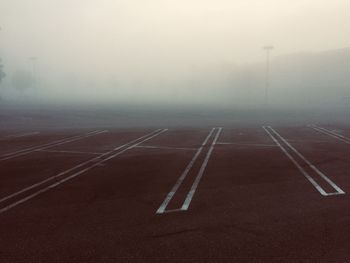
(267, 49)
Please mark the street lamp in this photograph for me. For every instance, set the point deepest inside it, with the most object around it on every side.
(267, 49)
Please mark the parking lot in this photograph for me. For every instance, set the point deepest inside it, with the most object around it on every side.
(244, 193)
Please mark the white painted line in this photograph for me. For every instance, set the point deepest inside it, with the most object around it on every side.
(335, 132)
(340, 191)
(246, 144)
(172, 192)
(301, 169)
(332, 134)
(73, 152)
(311, 141)
(48, 145)
(20, 135)
(194, 187)
(135, 145)
(165, 148)
(95, 162)
(27, 198)
(95, 159)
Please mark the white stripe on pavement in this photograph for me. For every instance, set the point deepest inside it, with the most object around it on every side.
(172, 192)
(95, 162)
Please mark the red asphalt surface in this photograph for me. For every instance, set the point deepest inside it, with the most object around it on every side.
(251, 205)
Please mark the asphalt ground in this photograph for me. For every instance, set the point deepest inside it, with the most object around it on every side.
(240, 193)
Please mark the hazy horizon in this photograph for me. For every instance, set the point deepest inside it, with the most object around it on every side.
(163, 52)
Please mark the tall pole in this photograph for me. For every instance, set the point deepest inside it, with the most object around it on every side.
(267, 49)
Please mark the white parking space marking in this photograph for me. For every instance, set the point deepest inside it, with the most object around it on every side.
(77, 170)
(178, 183)
(73, 152)
(26, 151)
(165, 148)
(275, 136)
(194, 187)
(246, 144)
(162, 209)
(331, 134)
(20, 135)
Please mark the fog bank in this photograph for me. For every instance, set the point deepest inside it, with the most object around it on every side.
(175, 53)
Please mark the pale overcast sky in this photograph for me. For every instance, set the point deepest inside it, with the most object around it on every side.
(164, 37)
(172, 29)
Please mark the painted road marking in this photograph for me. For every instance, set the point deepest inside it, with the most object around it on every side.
(165, 148)
(84, 167)
(331, 133)
(246, 144)
(163, 206)
(93, 160)
(19, 135)
(172, 192)
(194, 187)
(339, 191)
(26, 151)
(73, 152)
(310, 141)
(49, 143)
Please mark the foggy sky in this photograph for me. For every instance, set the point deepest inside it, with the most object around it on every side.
(157, 46)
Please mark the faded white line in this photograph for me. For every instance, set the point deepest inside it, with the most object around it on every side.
(172, 192)
(332, 134)
(335, 132)
(165, 148)
(54, 185)
(49, 145)
(246, 144)
(73, 152)
(302, 170)
(94, 160)
(20, 135)
(194, 187)
(340, 191)
(310, 141)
